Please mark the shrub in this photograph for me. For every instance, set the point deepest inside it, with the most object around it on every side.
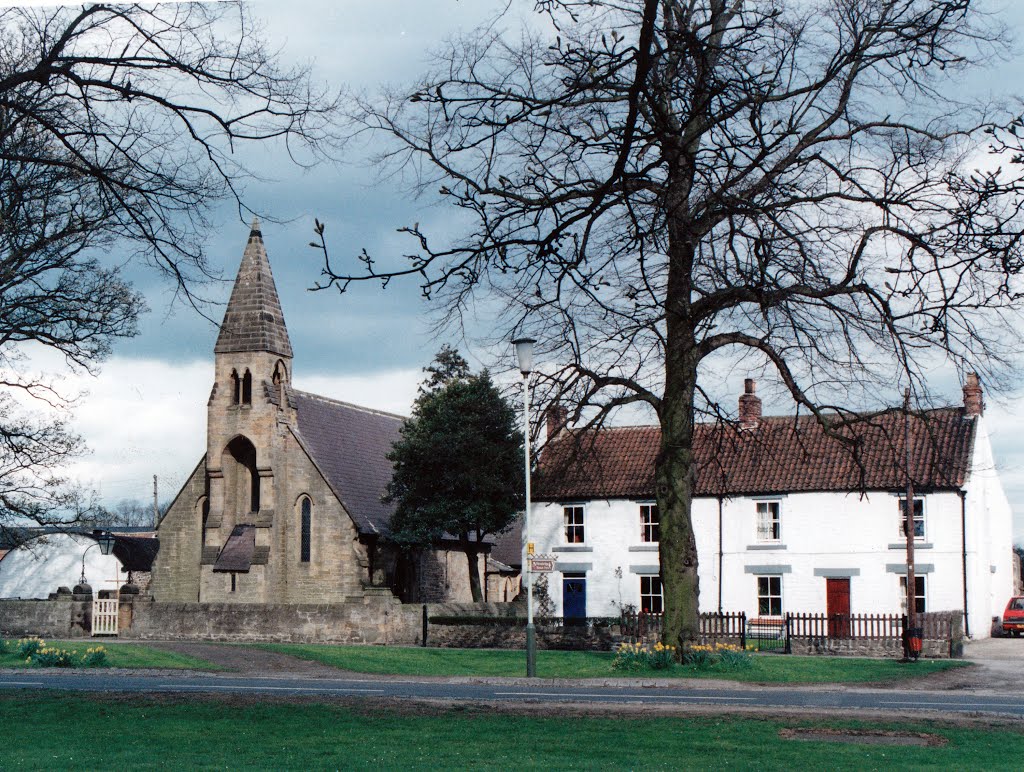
(639, 656)
(729, 656)
(699, 656)
(629, 656)
(735, 658)
(50, 656)
(95, 657)
(661, 657)
(27, 647)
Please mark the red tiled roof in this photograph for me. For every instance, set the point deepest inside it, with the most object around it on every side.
(781, 455)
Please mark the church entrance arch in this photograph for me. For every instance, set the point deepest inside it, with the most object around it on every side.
(241, 479)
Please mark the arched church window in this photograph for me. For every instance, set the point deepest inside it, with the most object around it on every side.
(236, 387)
(280, 373)
(306, 530)
(247, 388)
(241, 478)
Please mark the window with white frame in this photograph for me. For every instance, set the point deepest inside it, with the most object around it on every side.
(573, 517)
(769, 596)
(649, 523)
(651, 599)
(918, 518)
(769, 521)
(920, 605)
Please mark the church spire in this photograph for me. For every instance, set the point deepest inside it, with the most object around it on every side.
(253, 320)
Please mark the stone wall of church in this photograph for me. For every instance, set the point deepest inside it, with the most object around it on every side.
(338, 561)
(176, 568)
(338, 564)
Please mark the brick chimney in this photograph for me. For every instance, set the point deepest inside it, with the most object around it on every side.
(750, 405)
(974, 402)
(557, 416)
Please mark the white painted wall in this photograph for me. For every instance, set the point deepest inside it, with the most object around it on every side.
(836, 534)
(39, 567)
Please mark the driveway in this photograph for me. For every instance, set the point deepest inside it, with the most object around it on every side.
(996, 667)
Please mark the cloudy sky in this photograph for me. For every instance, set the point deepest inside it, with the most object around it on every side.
(145, 413)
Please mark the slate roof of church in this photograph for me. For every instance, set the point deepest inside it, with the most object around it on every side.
(253, 320)
(349, 444)
(238, 550)
(782, 454)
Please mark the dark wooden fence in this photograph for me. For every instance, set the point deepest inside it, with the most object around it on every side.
(776, 633)
(860, 626)
(644, 626)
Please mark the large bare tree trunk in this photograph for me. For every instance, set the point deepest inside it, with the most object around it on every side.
(674, 469)
(674, 479)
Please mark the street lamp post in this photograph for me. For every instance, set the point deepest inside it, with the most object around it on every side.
(105, 541)
(524, 353)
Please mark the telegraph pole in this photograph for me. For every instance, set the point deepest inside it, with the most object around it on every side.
(156, 507)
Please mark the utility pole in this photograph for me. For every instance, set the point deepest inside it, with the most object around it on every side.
(908, 527)
(156, 507)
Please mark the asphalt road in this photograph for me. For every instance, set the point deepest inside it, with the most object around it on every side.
(512, 691)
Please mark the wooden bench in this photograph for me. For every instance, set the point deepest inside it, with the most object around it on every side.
(766, 628)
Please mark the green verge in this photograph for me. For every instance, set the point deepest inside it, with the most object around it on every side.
(767, 668)
(192, 732)
(118, 655)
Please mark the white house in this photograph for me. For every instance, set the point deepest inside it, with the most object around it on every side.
(786, 517)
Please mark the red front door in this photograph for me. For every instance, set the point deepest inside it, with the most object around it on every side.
(837, 595)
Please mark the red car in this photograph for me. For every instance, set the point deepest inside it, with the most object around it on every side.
(1013, 617)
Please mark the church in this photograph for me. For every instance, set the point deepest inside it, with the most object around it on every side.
(285, 507)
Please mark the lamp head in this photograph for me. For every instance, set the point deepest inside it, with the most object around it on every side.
(106, 541)
(524, 353)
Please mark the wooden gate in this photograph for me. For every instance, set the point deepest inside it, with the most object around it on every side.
(104, 616)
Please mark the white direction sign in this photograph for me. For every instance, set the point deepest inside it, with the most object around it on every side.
(542, 564)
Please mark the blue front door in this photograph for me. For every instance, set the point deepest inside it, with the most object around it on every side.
(574, 598)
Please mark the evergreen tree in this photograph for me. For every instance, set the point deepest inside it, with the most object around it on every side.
(458, 465)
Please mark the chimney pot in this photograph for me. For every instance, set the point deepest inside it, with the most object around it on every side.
(557, 416)
(974, 396)
(750, 405)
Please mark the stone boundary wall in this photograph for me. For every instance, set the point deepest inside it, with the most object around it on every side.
(484, 609)
(506, 636)
(46, 618)
(373, 620)
(930, 649)
(370, 621)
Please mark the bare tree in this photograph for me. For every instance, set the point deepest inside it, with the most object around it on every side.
(653, 185)
(119, 126)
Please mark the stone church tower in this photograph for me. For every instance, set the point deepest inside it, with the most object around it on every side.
(285, 506)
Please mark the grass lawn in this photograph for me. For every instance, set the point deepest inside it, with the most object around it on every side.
(118, 655)
(193, 732)
(766, 668)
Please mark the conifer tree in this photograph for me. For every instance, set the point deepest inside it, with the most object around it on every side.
(458, 466)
